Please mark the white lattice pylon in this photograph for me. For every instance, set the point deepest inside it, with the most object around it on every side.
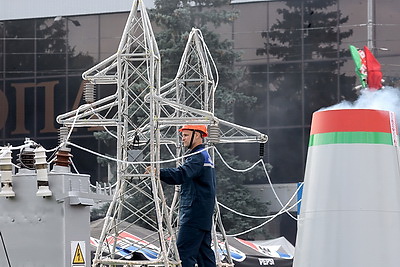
(146, 118)
(139, 198)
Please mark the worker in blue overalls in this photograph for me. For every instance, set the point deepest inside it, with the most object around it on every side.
(197, 199)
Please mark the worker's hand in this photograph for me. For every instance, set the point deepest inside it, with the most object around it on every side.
(149, 170)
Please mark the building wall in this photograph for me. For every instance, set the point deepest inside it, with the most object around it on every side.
(289, 89)
(42, 61)
(25, 9)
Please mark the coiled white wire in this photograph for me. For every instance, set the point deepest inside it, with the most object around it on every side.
(266, 173)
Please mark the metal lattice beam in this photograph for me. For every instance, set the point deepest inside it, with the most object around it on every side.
(146, 116)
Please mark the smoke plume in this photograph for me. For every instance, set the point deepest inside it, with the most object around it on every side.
(387, 98)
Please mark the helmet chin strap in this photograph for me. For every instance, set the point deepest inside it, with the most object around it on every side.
(191, 139)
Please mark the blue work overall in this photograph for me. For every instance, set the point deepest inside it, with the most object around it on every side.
(197, 200)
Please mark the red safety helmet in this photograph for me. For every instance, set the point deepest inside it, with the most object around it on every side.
(199, 128)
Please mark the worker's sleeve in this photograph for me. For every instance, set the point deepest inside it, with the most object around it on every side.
(189, 170)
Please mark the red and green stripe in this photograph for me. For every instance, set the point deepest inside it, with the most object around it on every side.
(352, 126)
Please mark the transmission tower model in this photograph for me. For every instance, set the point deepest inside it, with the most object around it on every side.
(146, 117)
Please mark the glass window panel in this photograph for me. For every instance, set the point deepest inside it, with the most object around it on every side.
(51, 46)
(50, 102)
(284, 33)
(1, 62)
(51, 28)
(387, 33)
(19, 65)
(50, 64)
(387, 40)
(273, 14)
(4, 108)
(355, 11)
(386, 12)
(285, 148)
(86, 162)
(251, 152)
(255, 114)
(248, 27)
(320, 86)
(19, 46)
(103, 90)
(354, 14)
(21, 108)
(2, 29)
(83, 39)
(285, 96)
(1, 48)
(390, 68)
(20, 28)
(306, 141)
(320, 30)
(74, 92)
(47, 143)
(111, 28)
(274, 29)
(348, 81)
(78, 63)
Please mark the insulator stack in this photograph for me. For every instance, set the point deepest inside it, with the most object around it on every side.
(41, 169)
(262, 150)
(89, 92)
(62, 134)
(6, 173)
(213, 134)
(26, 158)
(63, 157)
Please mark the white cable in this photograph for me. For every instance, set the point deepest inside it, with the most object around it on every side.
(260, 217)
(111, 186)
(266, 173)
(232, 169)
(242, 214)
(73, 123)
(109, 132)
(283, 210)
(273, 190)
(15, 147)
(53, 149)
(170, 151)
(73, 166)
(137, 162)
(16, 166)
(105, 127)
(179, 158)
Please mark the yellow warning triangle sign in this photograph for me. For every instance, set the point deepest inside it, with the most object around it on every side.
(78, 257)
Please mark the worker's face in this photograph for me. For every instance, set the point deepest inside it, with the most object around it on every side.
(187, 136)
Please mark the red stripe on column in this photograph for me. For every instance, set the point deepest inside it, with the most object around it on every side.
(351, 120)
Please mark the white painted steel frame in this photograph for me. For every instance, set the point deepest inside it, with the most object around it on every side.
(147, 116)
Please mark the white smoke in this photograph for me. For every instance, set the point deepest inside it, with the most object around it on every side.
(387, 98)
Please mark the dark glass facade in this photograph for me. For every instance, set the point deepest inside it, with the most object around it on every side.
(294, 52)
(42, 61)
(297, 56)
